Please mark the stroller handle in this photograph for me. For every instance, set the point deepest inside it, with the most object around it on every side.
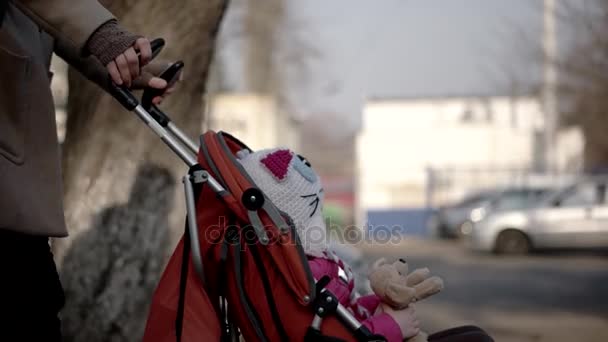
(125, 97)
(175, 139)
(170, 75)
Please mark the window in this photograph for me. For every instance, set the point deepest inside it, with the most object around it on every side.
(514, 200)
(468, 116)
(474, 200)
(585, 194)
(489, 110)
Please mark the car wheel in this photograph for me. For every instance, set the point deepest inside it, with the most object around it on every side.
(512, 242)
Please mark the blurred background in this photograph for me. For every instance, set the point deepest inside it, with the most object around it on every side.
(472, 131)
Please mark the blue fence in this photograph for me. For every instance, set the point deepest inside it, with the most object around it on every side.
(410, 221)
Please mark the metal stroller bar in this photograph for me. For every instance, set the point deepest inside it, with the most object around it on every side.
(178, 133)
(341, 312)
(326, 304)
(165, 122)
(348, 318)
(193, 228)
(170, 75)
(187, 156)
(158, 121)
(175, 138)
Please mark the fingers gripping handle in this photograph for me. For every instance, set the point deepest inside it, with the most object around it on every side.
(170, 75)
(121, 93)
(92, 69)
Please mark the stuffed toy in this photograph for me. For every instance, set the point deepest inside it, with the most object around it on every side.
(398, 289)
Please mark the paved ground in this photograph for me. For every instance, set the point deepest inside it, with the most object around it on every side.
(549, 297)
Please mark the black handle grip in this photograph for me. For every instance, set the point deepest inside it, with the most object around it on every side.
(170, 75)
(123, 95)
(159, 116)
(157, 46)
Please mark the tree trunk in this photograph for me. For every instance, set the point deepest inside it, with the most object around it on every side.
(262, 22)
(594, 124)
(122, 208)
(583, 86)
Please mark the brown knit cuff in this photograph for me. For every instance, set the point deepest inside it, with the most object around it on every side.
(109, 41)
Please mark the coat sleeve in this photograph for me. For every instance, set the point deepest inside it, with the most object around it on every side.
(370, 302)
(385, 325)
(89, 66)
(71, 20)
(94, 71)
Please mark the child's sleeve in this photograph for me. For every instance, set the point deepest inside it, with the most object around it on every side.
(381, 324)
(322, 267)
(369, 302)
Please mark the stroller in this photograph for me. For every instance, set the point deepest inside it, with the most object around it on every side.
(239, 268)
(245, 254)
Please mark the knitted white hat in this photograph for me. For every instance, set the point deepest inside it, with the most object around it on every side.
(294, 188)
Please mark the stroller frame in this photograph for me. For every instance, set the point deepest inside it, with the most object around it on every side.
(160, 123)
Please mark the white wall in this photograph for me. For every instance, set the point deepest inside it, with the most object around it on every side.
(253, 119)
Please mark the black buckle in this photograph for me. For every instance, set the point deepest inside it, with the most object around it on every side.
(253, 199)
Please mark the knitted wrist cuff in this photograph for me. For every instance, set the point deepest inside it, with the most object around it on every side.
(109, 41)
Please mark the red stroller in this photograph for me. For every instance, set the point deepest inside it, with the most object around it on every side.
(244, 254)
(240, 267)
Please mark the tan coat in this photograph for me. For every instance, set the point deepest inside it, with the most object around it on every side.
(30, 178)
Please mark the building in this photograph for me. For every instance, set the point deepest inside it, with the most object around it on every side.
(253, 118)
(420, 152)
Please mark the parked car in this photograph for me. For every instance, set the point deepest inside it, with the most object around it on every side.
(573, 217)
(447, 221)
(507, 200)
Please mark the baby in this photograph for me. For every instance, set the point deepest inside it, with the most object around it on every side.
(289, 181)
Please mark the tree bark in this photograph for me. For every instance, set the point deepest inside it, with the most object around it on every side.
(262, 22)
(583, 86)
(122, 211)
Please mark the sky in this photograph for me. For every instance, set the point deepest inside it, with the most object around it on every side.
(403, 48)
(412, 48)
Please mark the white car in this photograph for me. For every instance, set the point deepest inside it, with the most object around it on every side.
(574, 217)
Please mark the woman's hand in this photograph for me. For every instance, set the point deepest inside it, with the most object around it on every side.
(148, 79)
(126, 67)
(159, 83)
(406, 319)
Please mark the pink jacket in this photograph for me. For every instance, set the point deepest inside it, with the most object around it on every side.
(362, 307)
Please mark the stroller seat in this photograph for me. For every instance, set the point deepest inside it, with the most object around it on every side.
(254, 274)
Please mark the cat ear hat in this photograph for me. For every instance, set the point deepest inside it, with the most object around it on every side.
(289, 181)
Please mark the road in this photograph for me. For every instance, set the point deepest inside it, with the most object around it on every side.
(549, 297)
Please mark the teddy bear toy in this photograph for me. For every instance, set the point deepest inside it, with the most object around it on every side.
(398, 289)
